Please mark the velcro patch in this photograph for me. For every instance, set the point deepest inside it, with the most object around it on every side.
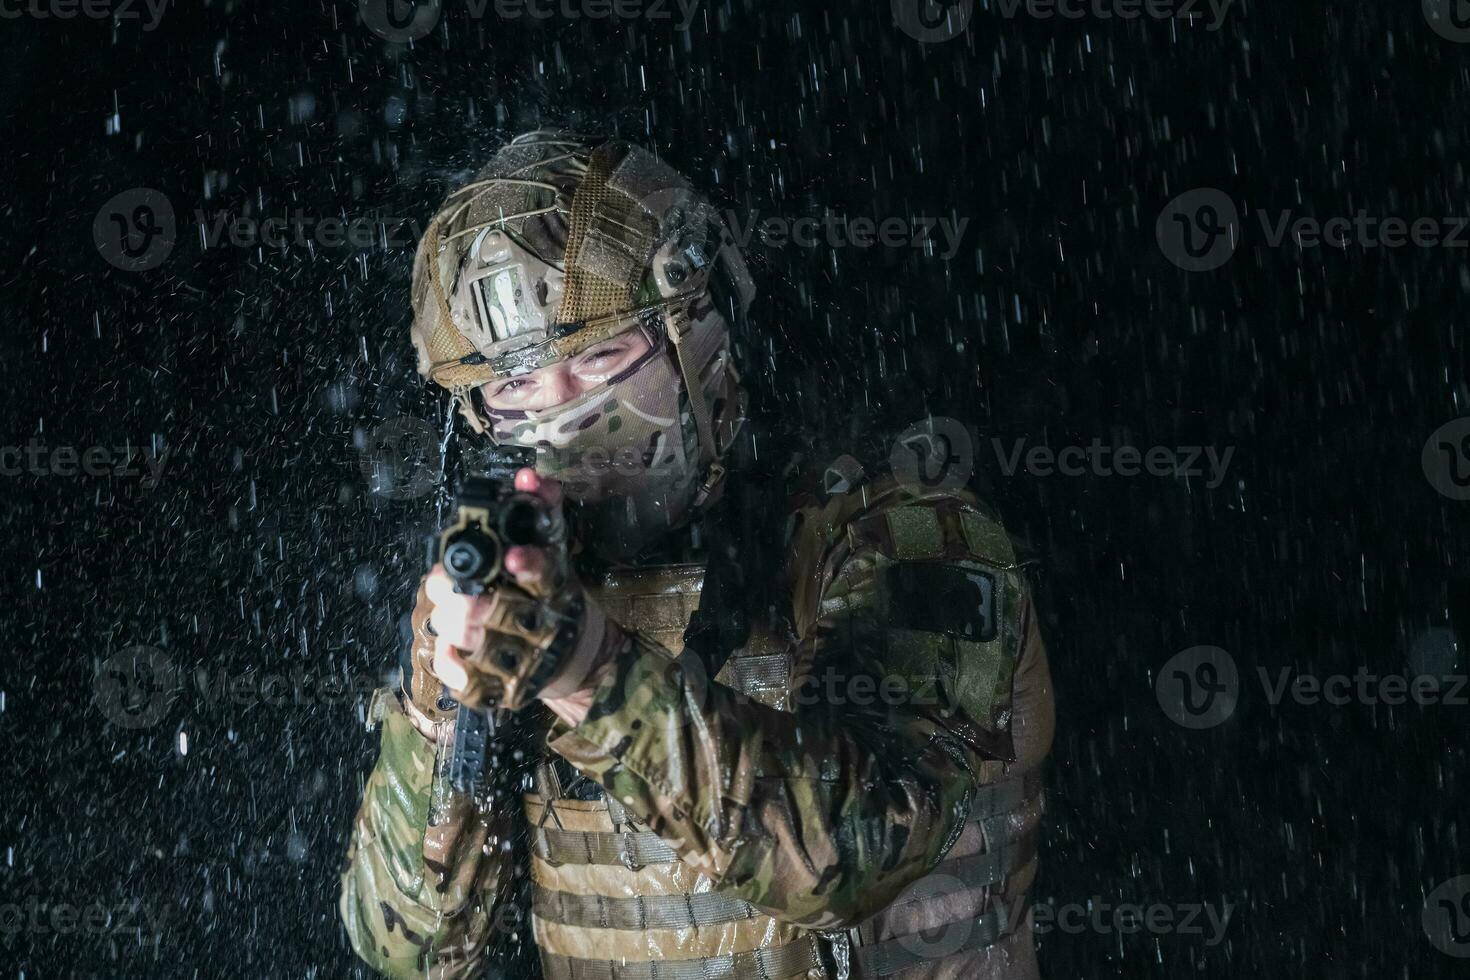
(915, 533)
(939, 597)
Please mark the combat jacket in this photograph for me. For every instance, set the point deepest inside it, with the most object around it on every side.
(857, 793)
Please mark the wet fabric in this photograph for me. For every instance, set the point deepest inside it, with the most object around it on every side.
(806, 816)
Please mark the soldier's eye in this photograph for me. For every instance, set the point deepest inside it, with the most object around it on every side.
(602, 361)
(603, 356)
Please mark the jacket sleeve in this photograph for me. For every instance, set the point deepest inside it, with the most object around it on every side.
(911, 616)
(425, 868)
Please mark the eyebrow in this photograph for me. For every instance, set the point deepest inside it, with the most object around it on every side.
(619, 341)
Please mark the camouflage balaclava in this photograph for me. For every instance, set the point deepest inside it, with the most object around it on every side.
(563, 242)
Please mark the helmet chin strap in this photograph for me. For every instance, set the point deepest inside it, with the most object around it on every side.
(679, 326)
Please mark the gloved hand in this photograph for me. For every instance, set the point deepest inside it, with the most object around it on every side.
(424, 697)
(539, 637)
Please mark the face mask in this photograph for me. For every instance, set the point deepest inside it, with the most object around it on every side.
(628, 450)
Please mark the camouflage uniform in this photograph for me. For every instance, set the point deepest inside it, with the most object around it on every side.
(853, 781)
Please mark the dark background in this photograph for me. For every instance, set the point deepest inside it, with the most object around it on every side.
(264, 373)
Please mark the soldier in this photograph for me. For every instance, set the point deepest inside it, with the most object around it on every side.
(855, 793)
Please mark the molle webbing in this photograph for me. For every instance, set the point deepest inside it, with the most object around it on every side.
(1008, 848)
(641, 912)
(1006, 796)
(593, 931)
(608, 244)
(901, 952)
(791, 960)
(991, 867)
(631, 850)
(636, 849)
